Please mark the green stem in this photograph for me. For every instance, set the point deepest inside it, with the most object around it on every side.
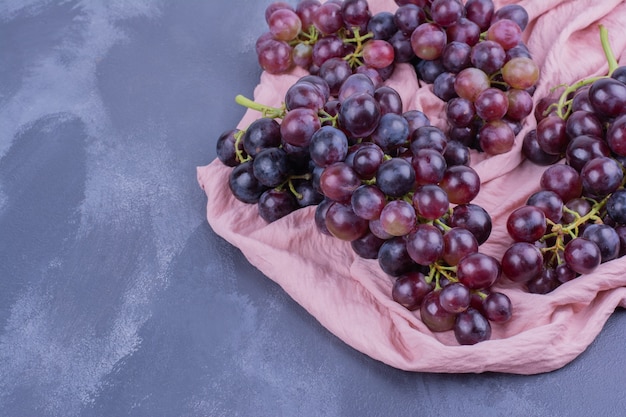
(608, 52)
(267, 111)
(238, 149)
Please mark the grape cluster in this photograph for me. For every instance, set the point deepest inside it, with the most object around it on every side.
(577, 219)
(388, 182)
(472, 54)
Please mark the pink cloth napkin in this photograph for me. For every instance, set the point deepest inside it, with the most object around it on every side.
(351, 297)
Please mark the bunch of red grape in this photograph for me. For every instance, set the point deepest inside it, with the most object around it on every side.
(578, 218)
(472, 54)
(385, 181)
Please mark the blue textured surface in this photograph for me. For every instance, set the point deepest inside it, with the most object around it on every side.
(117, 299)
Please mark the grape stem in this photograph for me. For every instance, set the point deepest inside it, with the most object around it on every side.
(238, 152)
(266, 111)
(564, 106)
(560, 231)
(354, 59)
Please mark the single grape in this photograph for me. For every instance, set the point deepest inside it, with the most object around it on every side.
(544, 283)
(522, 262)
(470, 82)
(395, 177)
(473, 218)
(488, 56)
(328, 18)
(244, 185)
(429, 166)
(428, 41)
(305, 10)
(428, 137)
(606, 238)
(551, 135)
(378, 53)
(284, 24)
(478, 270)
(616, 136)
(398, 218)
(601, 176)
(338, 181)
(520, 104)
(563, 180)
(443, 86)
(304, 94)
(580, 101)
(327, 146)
(480, 12)
(461, 183)
(382, 25)
(391, 133)
(464, 31)
(506, 32)
(583, 122)
(608, 97)
(359, 115)
(471, 327)
(334, 71)
(563, 273)
(372, 73)
(302, 55)
(320, 215)
(496, 137)
(389, 100)
(514, 12)
(533, 152)
(616, 206)
(275, 204)
(435, 317)
(274, 6)
(367, 160)
(549, 202)
(367, 246)
(306, 194)
(429, 70)
(227, 147)
(458, 242)
(408, 17)
(491, 104)
(274, 56)
(460, 112)
(456, 153)
(410, 289)
(343, 223)
(424, 244)
(582, 255)
(526, 224)
(430, 201)
(455, 298)
(393, 257)
(355, 83)
(580, 206)
(416, 119)
(583, 149)
(402, 49)
(355, 13)
(446, 12)
(271, 167)
(368, 202)
(498, 307)
(521, 73)
(261, 134)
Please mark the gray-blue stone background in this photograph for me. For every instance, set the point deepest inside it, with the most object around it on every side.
(116, 297)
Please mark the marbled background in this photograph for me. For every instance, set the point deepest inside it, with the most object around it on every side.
(116, 297)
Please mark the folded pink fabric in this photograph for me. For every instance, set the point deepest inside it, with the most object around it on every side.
(351, 297)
